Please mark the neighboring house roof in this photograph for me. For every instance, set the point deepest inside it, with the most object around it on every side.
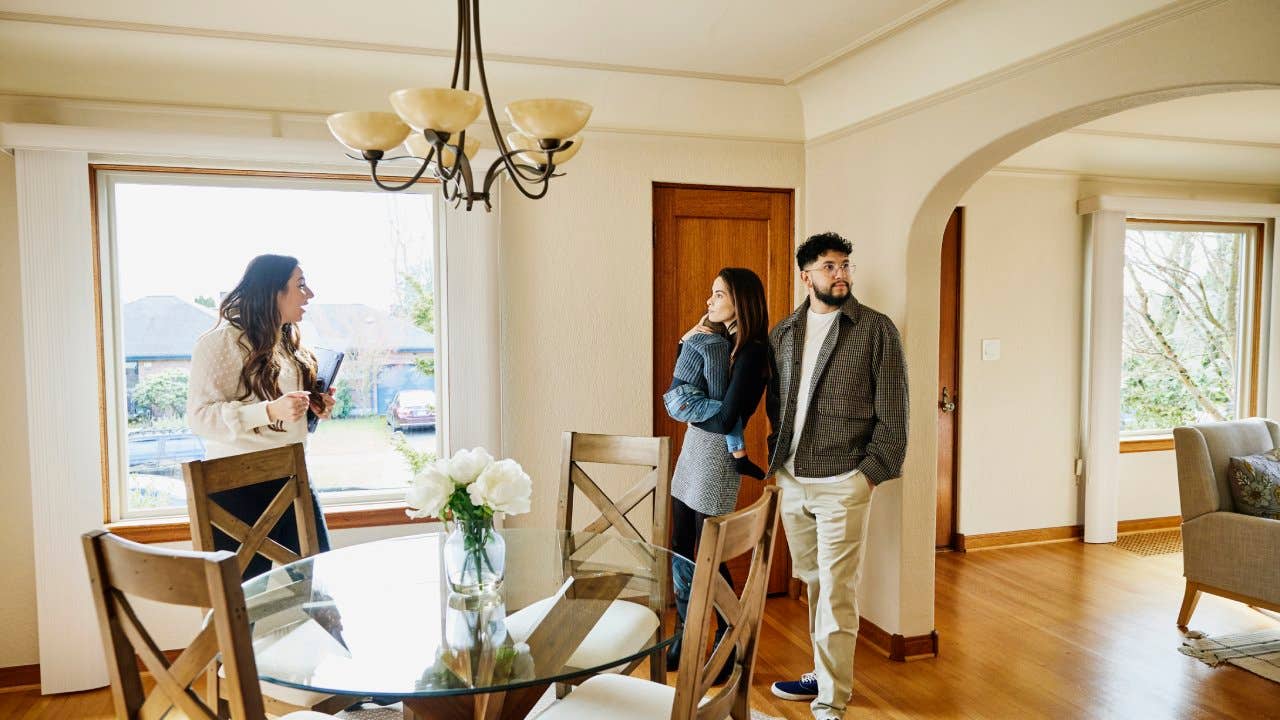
(348, 326)
(163, 327)
(166, 327)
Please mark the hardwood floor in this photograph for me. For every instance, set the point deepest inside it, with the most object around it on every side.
(1062, 630)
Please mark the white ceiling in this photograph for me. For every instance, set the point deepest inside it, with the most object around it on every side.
(763, 39)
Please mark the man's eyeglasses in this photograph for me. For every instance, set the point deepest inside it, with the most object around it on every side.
(831, 269)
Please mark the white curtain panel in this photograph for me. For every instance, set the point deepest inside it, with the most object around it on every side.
(59, 336)
(1100, 419)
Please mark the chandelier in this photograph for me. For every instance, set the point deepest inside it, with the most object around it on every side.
(432, 124)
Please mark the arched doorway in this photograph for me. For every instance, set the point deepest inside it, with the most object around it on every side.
(897, 182)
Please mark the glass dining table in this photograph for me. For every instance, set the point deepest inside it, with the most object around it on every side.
(378, 620)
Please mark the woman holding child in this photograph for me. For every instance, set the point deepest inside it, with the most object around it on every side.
(721, 372)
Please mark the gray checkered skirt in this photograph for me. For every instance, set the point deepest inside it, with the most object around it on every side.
(705, 478)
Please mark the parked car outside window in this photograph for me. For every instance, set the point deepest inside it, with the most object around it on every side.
(412, 409)
(159, 448)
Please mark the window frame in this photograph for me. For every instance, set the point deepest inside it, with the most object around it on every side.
(351, 509)
(1249, 341)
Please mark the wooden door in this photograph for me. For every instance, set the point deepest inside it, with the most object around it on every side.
(948, 381)
(696, 231)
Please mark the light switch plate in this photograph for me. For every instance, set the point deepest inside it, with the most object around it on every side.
(991, 349)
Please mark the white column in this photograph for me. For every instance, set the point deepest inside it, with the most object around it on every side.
(55, 242)
(1100, 416)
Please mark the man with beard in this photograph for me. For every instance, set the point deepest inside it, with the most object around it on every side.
(837, 404)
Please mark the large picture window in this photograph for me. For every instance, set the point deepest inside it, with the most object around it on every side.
(1190, 324)
(176, 243)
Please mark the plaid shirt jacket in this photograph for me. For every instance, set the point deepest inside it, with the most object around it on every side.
(857, 415)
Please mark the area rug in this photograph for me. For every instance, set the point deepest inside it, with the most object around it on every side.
(1258, 652)
(393, 712)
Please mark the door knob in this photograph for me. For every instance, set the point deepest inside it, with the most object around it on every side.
(948, 402)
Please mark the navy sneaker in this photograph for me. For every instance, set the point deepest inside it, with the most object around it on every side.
(806, 688)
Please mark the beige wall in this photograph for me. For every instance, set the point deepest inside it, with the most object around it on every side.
(1019, 417)
(18, 591)
(1023, 284)
(577, 280)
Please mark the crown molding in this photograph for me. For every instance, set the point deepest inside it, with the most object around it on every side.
(1130, 27)
(119, 25)
(1178, 207)
(1126, 135)
(880, 34)
(276, 119)
(1082, 176)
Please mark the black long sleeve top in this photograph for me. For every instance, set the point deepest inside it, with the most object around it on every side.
(747, 382)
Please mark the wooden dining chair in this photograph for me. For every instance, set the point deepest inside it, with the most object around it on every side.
(622, 697)
(628, 623)
(121, 572)
(205, 478)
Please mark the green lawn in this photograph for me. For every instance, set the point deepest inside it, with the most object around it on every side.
(352, 435)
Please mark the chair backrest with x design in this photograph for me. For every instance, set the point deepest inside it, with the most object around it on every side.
(752, 529)
(206, 477)
(119, 572)
(651, 452)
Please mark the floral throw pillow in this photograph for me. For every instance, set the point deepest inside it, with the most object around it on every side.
(1255, 483)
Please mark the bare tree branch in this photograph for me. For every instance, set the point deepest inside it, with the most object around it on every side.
(1167, 352)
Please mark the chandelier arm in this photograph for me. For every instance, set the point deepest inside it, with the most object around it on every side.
(465, 22)
(503, 150)
(373, 173)
(452, 171)
(457, 51)
(518, 174)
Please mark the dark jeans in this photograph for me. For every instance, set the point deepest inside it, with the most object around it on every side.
(686, 532)
(248, 503)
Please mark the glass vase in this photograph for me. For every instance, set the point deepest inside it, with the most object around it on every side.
(475, 557)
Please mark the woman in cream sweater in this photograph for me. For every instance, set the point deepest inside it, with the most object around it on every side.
(250, 388)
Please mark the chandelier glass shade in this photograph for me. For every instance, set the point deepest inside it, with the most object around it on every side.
(431, 124)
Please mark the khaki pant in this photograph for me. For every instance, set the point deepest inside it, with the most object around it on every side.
(826, 527)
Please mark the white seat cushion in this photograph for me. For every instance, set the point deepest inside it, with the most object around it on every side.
(616, 697)
(308, 715)
(294, 696)
(294, 654)
(622, 630)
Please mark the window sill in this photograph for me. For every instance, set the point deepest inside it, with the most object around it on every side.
(1147, 444)
(153, 530)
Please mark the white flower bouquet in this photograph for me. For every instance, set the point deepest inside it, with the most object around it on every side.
(466, 491)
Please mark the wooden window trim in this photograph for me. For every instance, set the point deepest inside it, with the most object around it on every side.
(152, 530)
(342, 517)
(1146, 444)
(1155, 444)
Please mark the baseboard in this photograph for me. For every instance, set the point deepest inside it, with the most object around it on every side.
(897, 647)
(986, 541)
(19, 677)
(22, 677)
(1145, 524)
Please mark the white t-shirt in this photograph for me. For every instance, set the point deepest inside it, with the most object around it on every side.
(817, 327)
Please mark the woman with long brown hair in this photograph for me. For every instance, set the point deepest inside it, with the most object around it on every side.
(252, 382)
(707, 475)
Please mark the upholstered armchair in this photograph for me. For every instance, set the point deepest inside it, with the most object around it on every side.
(1224, 552)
